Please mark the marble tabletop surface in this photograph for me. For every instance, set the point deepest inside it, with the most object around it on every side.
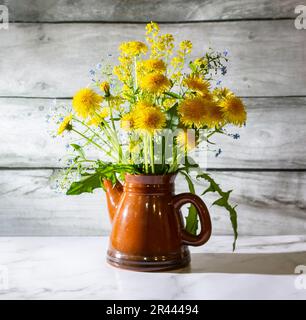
(75, 268)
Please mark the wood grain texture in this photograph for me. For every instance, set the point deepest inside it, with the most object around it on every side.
(273, 138)
(270, 203)
(53, 60)
(147, 10)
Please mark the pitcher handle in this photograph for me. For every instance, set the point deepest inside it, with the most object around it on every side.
(188, 238)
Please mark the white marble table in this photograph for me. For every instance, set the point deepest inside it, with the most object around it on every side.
(75, 268)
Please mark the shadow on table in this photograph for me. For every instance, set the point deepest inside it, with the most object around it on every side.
(263, 263)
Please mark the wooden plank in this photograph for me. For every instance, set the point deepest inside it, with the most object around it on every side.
(270, 203)
(273, 137)
(42, 211)
(53, 60)
(146, 10)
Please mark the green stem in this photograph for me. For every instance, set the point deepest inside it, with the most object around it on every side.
(163, 152)
(135, 67)
(145, 150)
(89, 140)
(152, 153)
(112, 134)
(88, 128)
(174, 152)
(115, 132)
(111, 115)
(97, 135)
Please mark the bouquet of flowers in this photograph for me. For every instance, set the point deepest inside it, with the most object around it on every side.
(148, 114)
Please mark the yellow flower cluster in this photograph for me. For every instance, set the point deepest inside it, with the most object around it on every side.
(152, 85)
(178, 61)
(212, 110)
(152, 28)
(161, 45)
(133, 48)
(124, 70)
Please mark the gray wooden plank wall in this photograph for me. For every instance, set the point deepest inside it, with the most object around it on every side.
(51, 45)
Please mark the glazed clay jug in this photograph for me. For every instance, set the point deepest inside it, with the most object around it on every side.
(147, 225)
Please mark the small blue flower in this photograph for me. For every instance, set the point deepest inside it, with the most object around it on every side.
(218, 152)
(218, 82)
(92, 72)
(110, 55)
(99, 66)
(61, 118)
(225, 52)
(224, 70)
(67, 146)
(236, 136)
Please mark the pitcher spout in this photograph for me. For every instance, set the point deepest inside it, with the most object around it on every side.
(113, 196)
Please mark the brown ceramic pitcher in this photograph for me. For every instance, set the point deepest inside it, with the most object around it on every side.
(148, 232)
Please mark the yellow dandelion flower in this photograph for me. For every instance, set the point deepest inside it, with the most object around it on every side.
(142, 104)
(152, 65)
(150, 119)
(194, 111)
(128, 121)
(215, 116)
(186, 140)
(86, 102)
(97, 119)
(65, 125)
(154, 83)
(197, 84)
(234, 110)
(105, 87)
(221, 93)
(133, 48)
(200, 112)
